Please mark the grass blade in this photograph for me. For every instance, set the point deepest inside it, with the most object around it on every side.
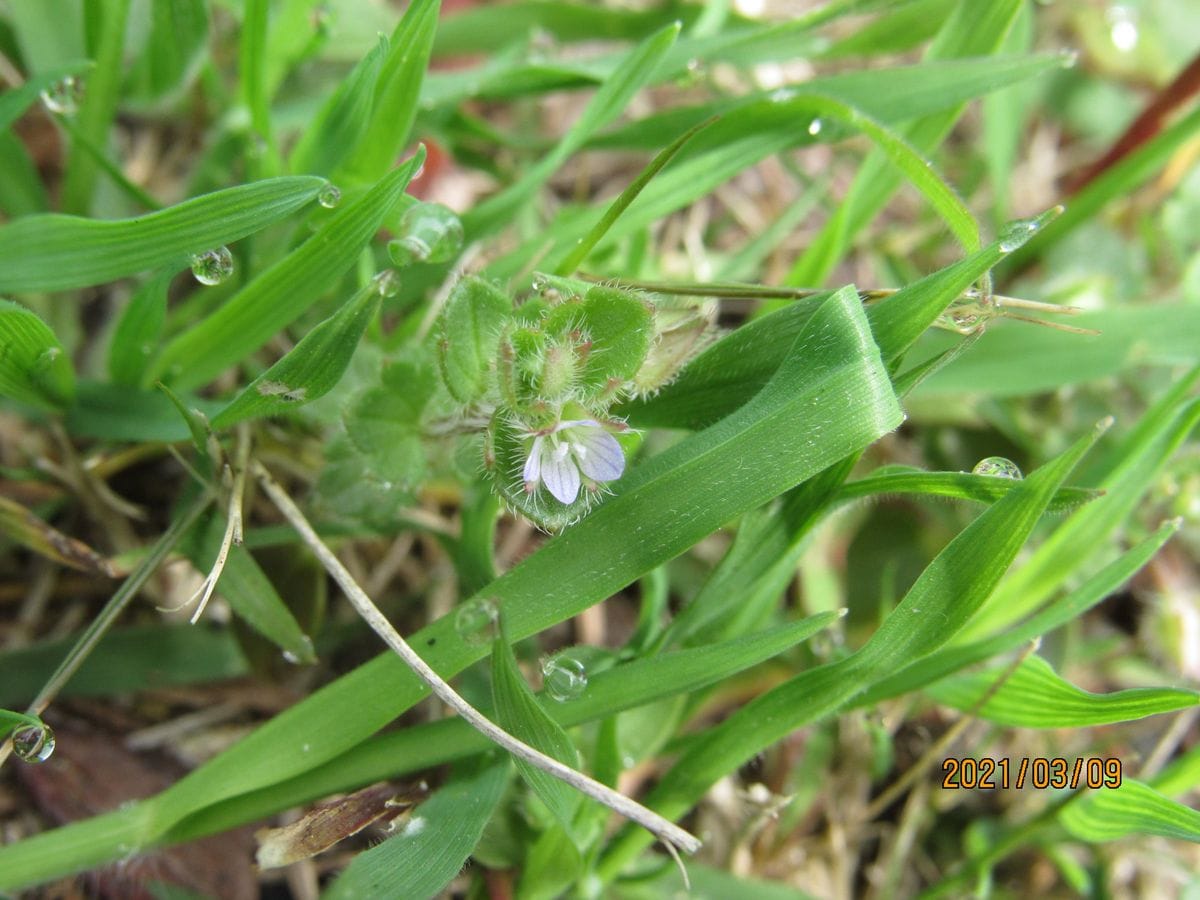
(56, 252)
(34, 368)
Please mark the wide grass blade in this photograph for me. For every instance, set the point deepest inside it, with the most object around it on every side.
(279, 294)
(55, 252)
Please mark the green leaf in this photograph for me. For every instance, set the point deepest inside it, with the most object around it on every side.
(1133, 808)
(343, 120)
(311, 368)
(384, 424)
(252, 67)
(634, 71)
(421, 859)
(279, 294)
(55, 252)
(519, 713)
(21, 190)
(34, 367)
(397, 92)
(114, 412)
(470, 331)
(135, 339)
(248, 590)
(1034, 696)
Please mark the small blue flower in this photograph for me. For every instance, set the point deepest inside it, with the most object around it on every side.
(564, 456)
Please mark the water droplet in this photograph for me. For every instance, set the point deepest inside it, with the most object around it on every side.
(539, 283)
(430, 233)
(64, 96)
(476, 621)
(387, 283)
(329, 196)
(33, 743)
(1123, 28)
(564, 676)
(1016, 233)
(814, 127)
(998, 467)
(212, 266)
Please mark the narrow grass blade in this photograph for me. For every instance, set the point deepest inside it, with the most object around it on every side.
(252, 64)
(135, 339)
(279, 294)
(635, 71)
(519, 713)
(56, 252)
(396, 94)
(34, 368)
(21, 190)
(1119, 181)
(431, 847)
(248, 590)
(627, 196)
(99, 105)
(171, 55)
(1035, 696)
(310, 369)
(956, 485)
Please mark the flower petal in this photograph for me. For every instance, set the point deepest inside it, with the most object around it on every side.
(599, 454)
(561, 477)
(533, 465)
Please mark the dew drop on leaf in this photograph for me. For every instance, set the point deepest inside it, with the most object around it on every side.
(997, 467)
(329, 196)
(429, 233)
(213, 266)
(1016, 233)
(64, 96)
(476, 621)
(564, 676)
(387, 283)
(33, 743)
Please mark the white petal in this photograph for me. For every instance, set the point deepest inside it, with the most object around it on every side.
(573, 423)
(600, 456)
(561, 477)
(533, 465)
